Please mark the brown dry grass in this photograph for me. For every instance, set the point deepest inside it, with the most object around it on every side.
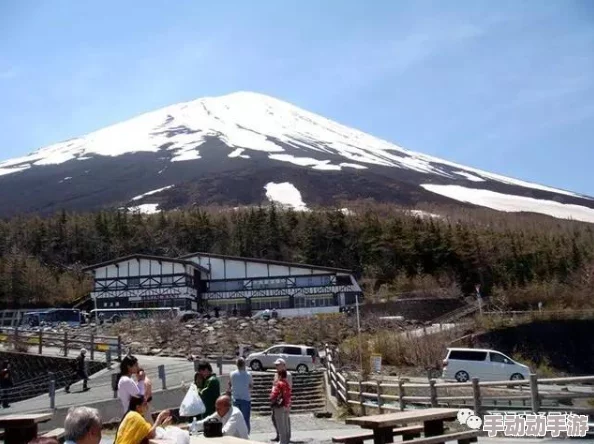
(397, 349)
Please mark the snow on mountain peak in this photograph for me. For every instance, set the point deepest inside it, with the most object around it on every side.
(250, 121)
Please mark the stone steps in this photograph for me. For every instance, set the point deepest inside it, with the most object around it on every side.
(264, 397)
(307, 394)
(264, 409)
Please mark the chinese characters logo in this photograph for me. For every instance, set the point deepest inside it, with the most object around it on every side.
(530, 425)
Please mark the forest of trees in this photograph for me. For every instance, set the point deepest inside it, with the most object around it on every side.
(517, 259)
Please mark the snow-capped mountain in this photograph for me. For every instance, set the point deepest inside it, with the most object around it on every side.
(248, 148)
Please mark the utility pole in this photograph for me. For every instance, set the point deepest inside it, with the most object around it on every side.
(359, 331)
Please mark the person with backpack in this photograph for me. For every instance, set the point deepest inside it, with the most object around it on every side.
(80, 372)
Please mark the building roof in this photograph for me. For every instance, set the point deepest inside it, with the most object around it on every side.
(146, 256)
(267, 261)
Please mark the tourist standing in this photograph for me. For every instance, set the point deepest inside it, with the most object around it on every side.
(81, 372)
(208, 385)
(280, 399)
(5, 383)
(126, 385)
(280, 364)
(148, 394)
(241, 385)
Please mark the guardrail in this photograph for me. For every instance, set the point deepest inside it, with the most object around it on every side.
(560, 313)
(530, 394)
(22, 340)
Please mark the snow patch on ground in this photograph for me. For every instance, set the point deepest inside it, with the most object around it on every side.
(145, 209)
(285, 194)
(4, 171)
(239, 153)
(469, 176)
(305, 161)
(512, 203)
(183, 155)
(424, 214)
(150, 193)
(353, 165)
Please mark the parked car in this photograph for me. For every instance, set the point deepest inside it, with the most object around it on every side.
(300, 358)
(463, 364)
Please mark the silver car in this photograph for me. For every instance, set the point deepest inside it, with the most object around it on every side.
(300, 358)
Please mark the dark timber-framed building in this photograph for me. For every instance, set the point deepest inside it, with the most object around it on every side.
(229, 282)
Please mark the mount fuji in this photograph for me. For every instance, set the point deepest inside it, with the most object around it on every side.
(247, 148)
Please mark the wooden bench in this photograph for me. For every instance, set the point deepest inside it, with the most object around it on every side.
(22, 428)
(462, 438)
(408, 433)
(57, 434)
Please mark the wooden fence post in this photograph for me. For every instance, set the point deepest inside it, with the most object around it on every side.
(534, 397)
(114, 384)
(379, 397)
(40, 341)
(52, 393)
(92, 346)
(362, 399)
(220, 365)
(433, 391)
(401, 394)
(476, 395)
(65, 343)
(162, 376)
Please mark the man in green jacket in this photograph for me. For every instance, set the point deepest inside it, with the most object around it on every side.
(208, 385)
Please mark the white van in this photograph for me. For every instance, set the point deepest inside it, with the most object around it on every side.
(463, 364)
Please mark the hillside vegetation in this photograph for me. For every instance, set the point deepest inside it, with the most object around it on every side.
(518, 259)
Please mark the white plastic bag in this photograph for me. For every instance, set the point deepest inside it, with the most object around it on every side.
(175, 435)
(192, 404)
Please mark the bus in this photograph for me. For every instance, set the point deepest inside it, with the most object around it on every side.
(52, 317)
(114, 315)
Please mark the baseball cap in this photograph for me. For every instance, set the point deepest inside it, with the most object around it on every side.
(279, 361)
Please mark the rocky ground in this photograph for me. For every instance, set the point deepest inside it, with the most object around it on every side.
(216, 336)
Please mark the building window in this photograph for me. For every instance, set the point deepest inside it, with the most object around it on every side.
(343, 280)
(133, 282)
(270, 303)
(225, 286)
(166, 280)
(313, 281)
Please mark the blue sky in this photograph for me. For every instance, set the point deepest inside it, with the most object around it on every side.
(505, 86)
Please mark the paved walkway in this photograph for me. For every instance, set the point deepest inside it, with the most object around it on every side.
(178, 371)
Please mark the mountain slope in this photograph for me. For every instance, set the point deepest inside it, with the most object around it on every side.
(234, 149)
